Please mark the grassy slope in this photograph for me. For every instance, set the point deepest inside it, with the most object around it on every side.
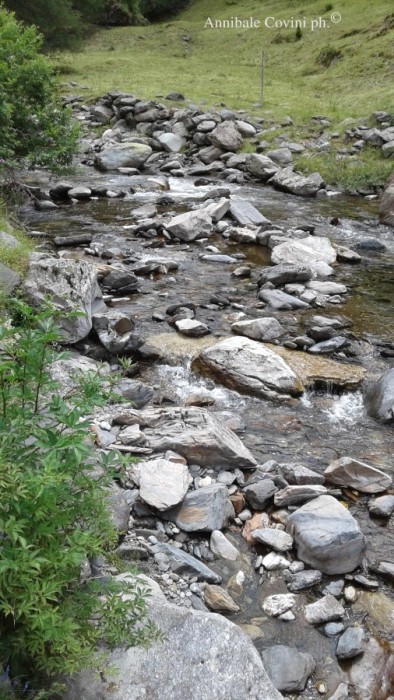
(15, 258)
(223, 65)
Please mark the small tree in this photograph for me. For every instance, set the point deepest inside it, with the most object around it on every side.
(32, 124)
(53, 516)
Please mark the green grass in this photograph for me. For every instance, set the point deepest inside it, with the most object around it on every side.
(365, 171)
(15, 258)
(222, 66)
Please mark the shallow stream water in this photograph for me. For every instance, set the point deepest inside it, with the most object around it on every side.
(314, 430)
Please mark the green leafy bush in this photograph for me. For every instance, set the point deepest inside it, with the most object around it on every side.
(53, 516)
(32, 125)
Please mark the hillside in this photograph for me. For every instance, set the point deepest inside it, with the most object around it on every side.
(342, 69)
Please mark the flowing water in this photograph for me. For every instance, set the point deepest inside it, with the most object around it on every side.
(314, 430)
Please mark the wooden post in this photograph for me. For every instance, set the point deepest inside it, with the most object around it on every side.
(262, 77)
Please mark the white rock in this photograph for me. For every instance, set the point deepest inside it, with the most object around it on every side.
(163, 484)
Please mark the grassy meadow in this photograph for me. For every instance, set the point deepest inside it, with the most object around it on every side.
(343, 70)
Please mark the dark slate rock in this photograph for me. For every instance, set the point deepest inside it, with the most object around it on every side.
(259, 494)
(183, 563)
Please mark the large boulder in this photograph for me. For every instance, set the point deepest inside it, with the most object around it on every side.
(379, 397)
(191, 225)
(201, 655)
(249, 367)
(260, 166)
(288, 181)
(386, 209)
(327, 536)
(124, 155)
(314, 252)
(70, 285)
(196, 434)
(227, 136)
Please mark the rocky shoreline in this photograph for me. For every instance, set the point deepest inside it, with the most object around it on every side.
(215, 525)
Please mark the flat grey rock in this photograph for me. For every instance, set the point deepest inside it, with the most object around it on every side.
(262, 167)
(245, 213)
(222, 547)
(196, 434)
(314, 252)
(288, 181)
(351, 473)
(202, 655)
(191, 328)
(296, 495)
(327, 536)
(288, 668)
(183, 563)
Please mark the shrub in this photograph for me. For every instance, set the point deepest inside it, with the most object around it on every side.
(53, 516)
(32, 125)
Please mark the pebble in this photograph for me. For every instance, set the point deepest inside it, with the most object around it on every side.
(350, 594)
(332, 629)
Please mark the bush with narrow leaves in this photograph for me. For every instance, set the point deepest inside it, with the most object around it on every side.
(53, 516)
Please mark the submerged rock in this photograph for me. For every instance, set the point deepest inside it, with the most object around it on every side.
(321, 371)
(250, 367)
(327, 536)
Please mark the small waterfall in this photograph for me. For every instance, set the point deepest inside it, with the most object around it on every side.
(180, 382)
(346, 410)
